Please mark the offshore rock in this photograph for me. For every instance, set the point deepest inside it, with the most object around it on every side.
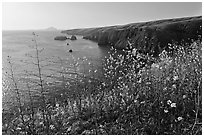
(60, 38)
(73, 37)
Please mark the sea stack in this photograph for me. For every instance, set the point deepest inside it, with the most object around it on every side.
(73, 37)
(60, 38)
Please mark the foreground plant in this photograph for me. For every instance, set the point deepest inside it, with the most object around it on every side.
(138, 94)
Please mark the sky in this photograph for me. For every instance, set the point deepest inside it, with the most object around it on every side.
(69, 15)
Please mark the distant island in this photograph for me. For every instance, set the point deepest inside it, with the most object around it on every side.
(51, 29)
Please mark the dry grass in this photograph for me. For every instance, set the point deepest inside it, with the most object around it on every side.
(135, 96)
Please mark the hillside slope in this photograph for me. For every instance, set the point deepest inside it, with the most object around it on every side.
(148, 37)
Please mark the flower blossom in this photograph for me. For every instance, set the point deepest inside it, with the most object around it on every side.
(52, 127)
(166, 111)
(174, 86)
(175, 78)
(184, 96)
(173, 105)
(180, 118)
(169, 102)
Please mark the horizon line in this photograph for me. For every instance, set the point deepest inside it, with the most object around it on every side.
(34, 29)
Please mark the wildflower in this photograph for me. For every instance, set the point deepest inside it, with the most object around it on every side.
(103, 84)
(169, 102)
(18, 128)
(101, 126)
(135, 101)
(155, 65)
(134, 52)
(62, 112)
(173, 105)
(69, 129)
(165, 89)
(184, 96)
(166, 111)
(174, 86)
(180, 118)
(52, 127)
(142, 102)
(26, 118)
(57, 105)
(175, 78)
(168, 78)
(38, 114)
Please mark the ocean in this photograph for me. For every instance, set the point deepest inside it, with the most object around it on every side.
(19, 46)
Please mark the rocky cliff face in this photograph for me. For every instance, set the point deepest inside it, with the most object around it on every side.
(148, 37)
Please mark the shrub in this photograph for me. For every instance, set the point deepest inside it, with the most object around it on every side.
(139, 94)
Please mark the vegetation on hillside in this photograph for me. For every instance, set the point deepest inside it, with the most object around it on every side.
(138, 94)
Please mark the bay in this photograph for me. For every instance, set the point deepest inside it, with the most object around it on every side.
(19, 46)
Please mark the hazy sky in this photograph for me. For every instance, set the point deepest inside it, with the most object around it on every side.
(79, 15)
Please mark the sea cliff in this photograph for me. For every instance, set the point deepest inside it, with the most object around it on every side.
(148, 37)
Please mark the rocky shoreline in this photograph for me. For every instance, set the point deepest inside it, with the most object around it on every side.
(62, 38)
(148, 37)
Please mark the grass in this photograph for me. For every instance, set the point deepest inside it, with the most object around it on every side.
(137, 95)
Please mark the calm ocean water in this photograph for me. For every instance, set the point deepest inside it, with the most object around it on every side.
(18, 45)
